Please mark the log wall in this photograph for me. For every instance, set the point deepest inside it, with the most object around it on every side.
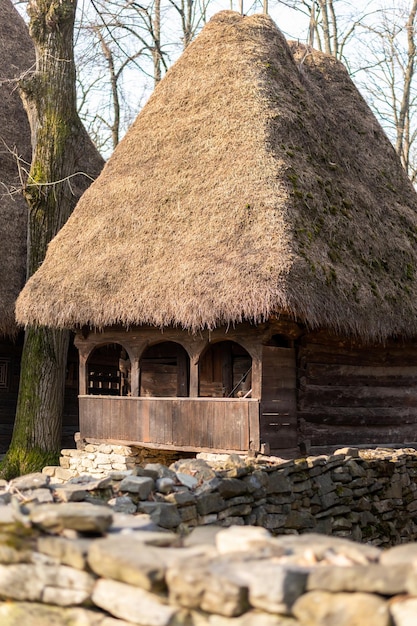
(353, 394)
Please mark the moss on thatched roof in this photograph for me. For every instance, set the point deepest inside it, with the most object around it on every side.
(16, 57)
(255, 181)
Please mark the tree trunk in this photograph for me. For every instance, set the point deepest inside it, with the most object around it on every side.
(60, 149)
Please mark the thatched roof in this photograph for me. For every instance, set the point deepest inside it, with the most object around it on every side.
(16, 57)
(255, 181)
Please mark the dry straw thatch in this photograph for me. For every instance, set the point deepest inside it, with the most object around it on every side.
(16, 57)
(255, 181)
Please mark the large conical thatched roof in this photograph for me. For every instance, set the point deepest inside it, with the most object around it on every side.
(255, 180)
(16, 57)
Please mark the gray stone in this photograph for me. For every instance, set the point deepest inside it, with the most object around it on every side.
(7, 516)
(140, 485)
(188, 513)
(203, 535)
(122, 504)
(139, 524)
(90, 483)
(208, 584)
(181, 497)
(278, 483)
(188, 481)
(126, 560)
(207, 486)
(355, 469)
(29, 481)
(80, 516)
(273, 587)
(72, 552)
(28, 582)
(162, 513)
(251, 618)
(325, 483)
(321, 545)
(403, 554)
(235, 511)
(247, 539)
(5, 498)
(38, 495)
(404, 611)
(36, 614)
(367, 578)
(165, 485)
(157, 470)
(300, 520)
(132, 604)
(321, 608)
(70, 493)
(231, 487)
(210, 503)
(198, 468)
(352, 452)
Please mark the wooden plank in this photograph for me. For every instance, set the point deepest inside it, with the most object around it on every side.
(254, 426)
(160, 421)
(117, 420)
(145, 419)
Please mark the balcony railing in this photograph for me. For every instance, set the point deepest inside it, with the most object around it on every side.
(200, 424)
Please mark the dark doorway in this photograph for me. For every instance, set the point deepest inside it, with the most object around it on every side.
(164, 371)
(225, 371)
(108, 371)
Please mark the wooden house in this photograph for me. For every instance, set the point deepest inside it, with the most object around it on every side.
(17, 58)
(242, 274)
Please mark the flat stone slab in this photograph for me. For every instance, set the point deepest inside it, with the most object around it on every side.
(126, 560)
(341, 609)
(132, 604)
(29, 481)
(80, 516)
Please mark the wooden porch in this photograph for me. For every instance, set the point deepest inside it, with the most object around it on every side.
(188, 424)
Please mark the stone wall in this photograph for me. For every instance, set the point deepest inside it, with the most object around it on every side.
(364, 495)
(82, 563)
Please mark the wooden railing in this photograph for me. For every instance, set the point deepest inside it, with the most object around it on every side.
(214, 424)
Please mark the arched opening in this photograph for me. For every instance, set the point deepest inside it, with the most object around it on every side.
(164, 371)
(225, 371)
(108, 371)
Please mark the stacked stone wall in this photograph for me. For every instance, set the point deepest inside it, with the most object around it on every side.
(364, 495)
(69, 558)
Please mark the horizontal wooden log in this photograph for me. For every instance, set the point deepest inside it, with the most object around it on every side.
(358, 356)
(346, 375)
(355, 436)
(358, 397)
(326, 338)
(352, 416)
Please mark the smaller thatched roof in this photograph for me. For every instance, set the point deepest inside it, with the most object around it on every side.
(255, 181)
(16, 57)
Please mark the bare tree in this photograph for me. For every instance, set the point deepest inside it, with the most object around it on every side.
(388, 79)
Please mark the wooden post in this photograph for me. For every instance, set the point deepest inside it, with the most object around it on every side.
(194, 377)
